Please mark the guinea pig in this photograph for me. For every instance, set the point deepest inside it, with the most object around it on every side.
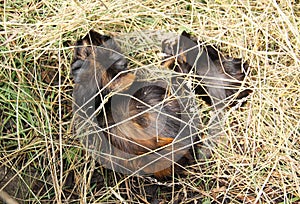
(219, 79)
(129, 125)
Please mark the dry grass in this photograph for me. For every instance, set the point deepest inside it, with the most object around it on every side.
(41, 161)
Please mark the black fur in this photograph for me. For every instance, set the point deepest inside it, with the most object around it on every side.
(220, 78)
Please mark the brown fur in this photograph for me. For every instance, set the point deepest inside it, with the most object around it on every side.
(138, 128)
(135, 137)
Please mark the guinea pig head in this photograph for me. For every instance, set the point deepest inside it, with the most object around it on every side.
(98, 67)
(98, 63)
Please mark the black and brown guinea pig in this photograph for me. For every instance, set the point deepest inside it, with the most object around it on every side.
(129, 125)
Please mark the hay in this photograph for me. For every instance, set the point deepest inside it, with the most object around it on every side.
(260, 163)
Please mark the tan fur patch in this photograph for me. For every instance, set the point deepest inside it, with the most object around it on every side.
(122, 83)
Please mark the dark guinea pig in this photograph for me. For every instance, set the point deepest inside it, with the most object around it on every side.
(219, 79)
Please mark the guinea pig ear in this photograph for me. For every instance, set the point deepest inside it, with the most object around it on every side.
(213, 52)
(94, 38)
(185, 34)
(83, 47)
(185, 41)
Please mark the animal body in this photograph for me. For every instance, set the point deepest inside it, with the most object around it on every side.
(219, 78)
(136, 127)
(144, 127)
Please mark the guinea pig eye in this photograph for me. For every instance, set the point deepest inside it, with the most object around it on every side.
(120, 64)
(166, 48)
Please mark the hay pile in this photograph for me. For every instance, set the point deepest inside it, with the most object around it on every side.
(42, 161)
